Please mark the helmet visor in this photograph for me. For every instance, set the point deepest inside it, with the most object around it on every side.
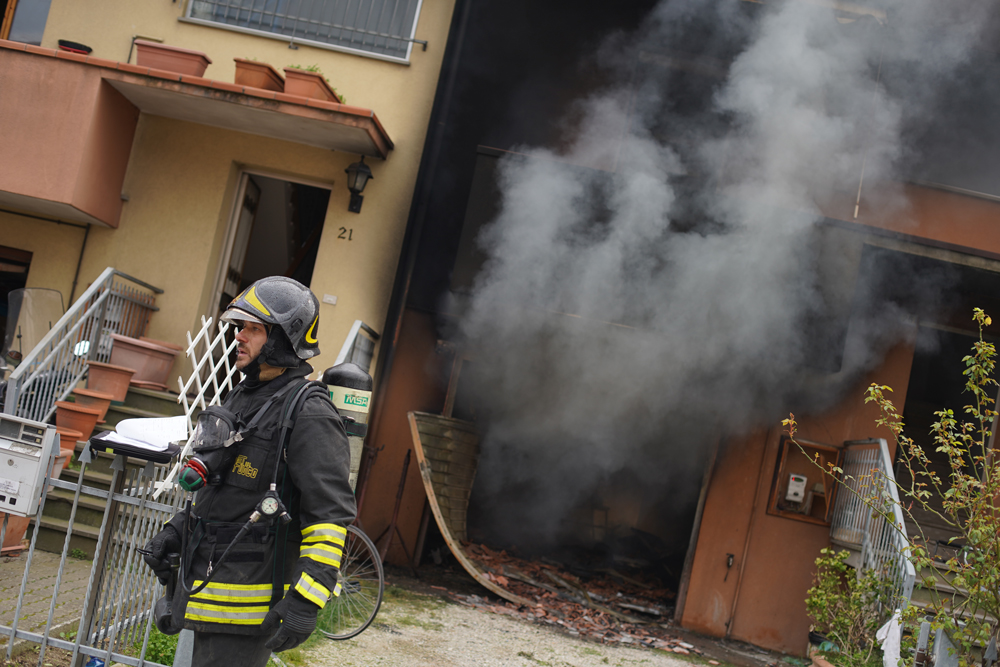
(238, 317)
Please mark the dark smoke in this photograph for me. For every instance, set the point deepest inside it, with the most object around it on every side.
(667, 278)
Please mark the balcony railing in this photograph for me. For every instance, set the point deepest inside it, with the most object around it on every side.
(380, 28)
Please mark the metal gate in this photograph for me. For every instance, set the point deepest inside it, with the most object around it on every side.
(116, 620)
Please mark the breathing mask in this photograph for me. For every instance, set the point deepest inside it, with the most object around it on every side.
(216, 431)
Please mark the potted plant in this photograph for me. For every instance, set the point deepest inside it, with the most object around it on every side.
(258, 75)
(309, 82)
(171, 58)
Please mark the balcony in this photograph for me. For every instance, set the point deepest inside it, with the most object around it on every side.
(67, 123)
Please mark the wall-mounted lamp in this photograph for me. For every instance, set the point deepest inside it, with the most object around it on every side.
(358, 175)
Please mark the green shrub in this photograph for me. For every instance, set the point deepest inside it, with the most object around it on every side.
(848, 609)
(161, 648)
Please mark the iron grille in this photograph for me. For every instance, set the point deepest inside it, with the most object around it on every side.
(382, 27)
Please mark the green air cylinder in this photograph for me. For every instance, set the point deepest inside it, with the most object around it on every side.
(350, 390)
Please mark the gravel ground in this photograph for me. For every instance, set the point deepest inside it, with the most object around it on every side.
(415, 630)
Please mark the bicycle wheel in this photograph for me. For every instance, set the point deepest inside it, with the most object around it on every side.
(361, 584)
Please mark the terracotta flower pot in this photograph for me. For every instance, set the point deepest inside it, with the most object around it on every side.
(162, 343)
(76, 417)
(60, 463)
(88, 398)
(16, 527)
(308, 84)
(109, 379)
(68, 437)
(152, 362)
(258, 75)
(170, 58)
(67, 446)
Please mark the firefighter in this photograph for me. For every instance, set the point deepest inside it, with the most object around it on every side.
(267, 580)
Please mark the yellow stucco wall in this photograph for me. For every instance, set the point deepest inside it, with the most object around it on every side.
(401, 95)
(55, 251)
(182, 178)
(172, 227)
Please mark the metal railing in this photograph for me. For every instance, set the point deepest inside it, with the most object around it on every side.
(359, 346)
(867, 517)
(378, 27)
(114, 303)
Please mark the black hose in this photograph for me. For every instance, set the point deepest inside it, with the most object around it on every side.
(225, 554)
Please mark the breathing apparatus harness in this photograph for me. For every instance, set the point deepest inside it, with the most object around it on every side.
(203, 468)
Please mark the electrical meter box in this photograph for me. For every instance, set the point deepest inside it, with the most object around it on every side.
(796, 488)
(25, 456)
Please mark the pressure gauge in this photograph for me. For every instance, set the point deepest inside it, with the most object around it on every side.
(270, 506)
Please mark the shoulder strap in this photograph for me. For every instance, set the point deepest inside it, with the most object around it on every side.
(289, 412)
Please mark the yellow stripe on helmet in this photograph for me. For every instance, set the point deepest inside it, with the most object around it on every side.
(310, 338)
(251, 298)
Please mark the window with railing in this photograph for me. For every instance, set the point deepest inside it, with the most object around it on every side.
(380, 28)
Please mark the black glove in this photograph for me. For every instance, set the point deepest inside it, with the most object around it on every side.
(165, 542)
(298, 620)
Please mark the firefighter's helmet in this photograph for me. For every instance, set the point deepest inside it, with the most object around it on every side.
(281, 302)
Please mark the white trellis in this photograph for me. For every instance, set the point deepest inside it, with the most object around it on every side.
(211, 377)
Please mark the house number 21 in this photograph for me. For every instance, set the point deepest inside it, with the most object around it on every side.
(346, 234)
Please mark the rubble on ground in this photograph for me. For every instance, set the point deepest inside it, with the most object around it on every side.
(604, 604)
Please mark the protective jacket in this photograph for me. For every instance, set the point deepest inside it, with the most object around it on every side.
(312, 479)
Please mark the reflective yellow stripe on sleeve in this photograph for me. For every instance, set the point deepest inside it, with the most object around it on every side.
(323, 543)
(322, 553)
(312, 590)
(324, 532)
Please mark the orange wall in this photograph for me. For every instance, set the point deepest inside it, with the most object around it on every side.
(947, 219)
(105, 156)
(779, 553)
(411, 385)
(66, 134)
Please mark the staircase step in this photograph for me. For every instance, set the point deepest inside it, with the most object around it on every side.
(117, 413)
(163, 403)
(52, 536)
(65, 495)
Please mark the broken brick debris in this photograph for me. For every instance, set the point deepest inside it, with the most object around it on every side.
(608, 607)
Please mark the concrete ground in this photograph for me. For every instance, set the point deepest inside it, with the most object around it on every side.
(423, 623)
(38, 594)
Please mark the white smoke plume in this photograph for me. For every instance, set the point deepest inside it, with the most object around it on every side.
(630, 315)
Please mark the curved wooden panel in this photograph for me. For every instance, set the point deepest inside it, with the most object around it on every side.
(448, 453)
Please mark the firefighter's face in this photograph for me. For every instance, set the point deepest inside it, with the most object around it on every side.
(250, 338)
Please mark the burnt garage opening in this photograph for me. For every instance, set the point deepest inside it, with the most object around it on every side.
(541, 495)
(497, 95)
(624, 494)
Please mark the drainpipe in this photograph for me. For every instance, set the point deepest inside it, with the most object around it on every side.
(746, 544)
(79, 262)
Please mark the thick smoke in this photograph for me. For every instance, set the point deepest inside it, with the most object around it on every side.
(685, 288)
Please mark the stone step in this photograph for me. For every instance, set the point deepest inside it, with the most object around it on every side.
(163, 403)
(117, 413)
(92, 476)
(52, 536)
(59, 505)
